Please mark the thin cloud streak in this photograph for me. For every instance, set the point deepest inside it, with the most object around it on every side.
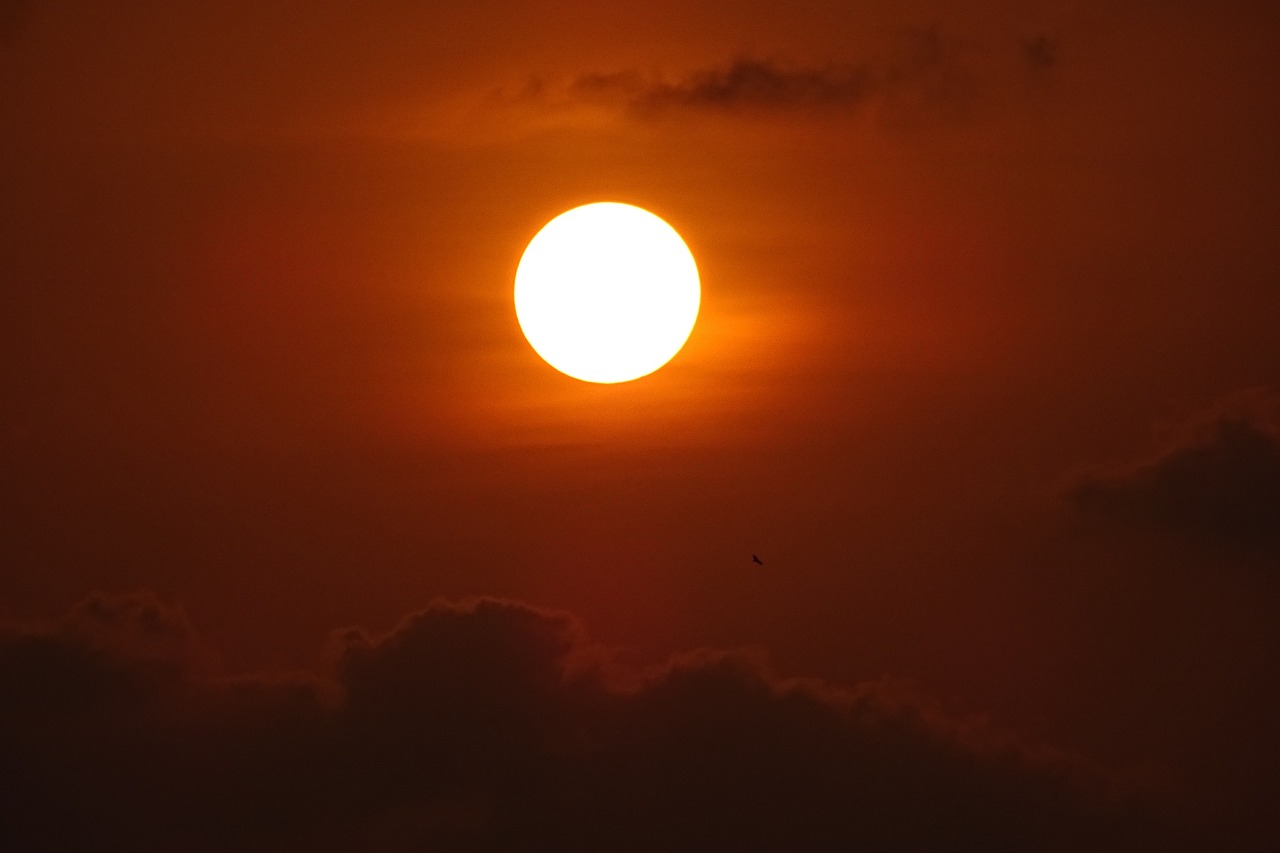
(744, 84)
(925, 72)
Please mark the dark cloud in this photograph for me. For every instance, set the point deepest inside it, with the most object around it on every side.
(924, 73)
(107, 650)
(1216, 480)
(496, 725)
(742, 85)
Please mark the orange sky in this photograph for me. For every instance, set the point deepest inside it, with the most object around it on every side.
(259, 353)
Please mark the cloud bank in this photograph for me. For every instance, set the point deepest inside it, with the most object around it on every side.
(493, 724)
(1216, 480)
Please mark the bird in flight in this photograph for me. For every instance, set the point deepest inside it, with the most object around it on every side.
(757, 560)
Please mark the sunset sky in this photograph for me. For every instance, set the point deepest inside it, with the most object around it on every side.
(303, 546)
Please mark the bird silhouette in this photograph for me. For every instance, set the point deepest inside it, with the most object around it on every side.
(757, 560)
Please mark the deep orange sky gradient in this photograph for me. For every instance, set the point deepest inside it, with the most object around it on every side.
(258, 352)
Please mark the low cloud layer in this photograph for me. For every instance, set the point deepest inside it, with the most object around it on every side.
(495, 725)
(1216, 481)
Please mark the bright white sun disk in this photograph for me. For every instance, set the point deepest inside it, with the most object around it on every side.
(607, 292)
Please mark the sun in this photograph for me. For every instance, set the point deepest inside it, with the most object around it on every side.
(607, 292)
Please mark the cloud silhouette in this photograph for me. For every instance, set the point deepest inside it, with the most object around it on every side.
(496, 725)
(923, 73)
(745, 84)
(1216, 480)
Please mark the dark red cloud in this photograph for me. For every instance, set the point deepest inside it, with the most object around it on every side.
(1215, 481)
(924, 72)
(496, 725)
(744, 84)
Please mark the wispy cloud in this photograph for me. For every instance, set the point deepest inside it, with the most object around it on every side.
(924, 71)
(741, 85)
